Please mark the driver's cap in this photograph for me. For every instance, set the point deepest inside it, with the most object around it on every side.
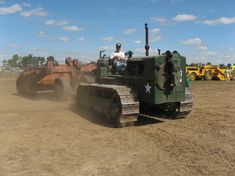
(118, 45)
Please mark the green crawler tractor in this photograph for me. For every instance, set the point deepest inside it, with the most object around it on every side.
(151, 86)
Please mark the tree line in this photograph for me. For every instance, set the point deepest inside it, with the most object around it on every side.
(34, 61)
(24, 61)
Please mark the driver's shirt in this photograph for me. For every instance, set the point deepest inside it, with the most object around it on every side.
(118, 54)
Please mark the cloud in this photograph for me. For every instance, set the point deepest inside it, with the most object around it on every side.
(130, 31)
(199, 50)
(203, 57)
(155, 38)
(184, 17)
(61, 23)
(63, 38)
(107, 39)
(189, 17)
(34, 12)
(155, 30)
(137, 42)
(222, 20)
(211, 53)
(11, 9)
(226, 55)
(196, 42)
(12, 45)
(178, 18)
(81, 39)
(56, 22)
(50, 22)
(41, 34)
(72, 28)
(161, 20)
(202, 47)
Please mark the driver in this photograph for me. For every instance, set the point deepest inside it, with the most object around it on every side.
(118, 58)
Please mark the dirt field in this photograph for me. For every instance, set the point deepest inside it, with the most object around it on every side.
(44, 137)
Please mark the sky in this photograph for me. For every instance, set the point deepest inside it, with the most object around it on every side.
(201, 30)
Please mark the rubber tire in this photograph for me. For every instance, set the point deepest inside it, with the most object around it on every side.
(192, 76)
(61, 89)
(208, 75)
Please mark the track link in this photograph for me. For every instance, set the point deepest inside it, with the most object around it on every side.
(118, 103)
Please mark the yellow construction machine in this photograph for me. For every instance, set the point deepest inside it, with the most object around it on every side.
(200, 72)
(208, 72)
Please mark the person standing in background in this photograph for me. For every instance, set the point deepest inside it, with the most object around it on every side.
(227, 74)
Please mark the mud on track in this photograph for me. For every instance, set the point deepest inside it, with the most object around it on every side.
(44, 137)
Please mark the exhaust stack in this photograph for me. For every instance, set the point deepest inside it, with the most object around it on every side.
(146, 39)
(101, 53)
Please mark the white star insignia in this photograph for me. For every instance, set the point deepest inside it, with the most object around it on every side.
(147, 87)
